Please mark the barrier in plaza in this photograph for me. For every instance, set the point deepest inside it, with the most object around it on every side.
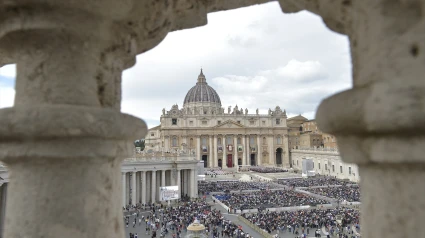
(255, 228)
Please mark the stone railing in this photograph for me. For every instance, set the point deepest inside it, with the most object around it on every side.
(331, 150)
(255, 227)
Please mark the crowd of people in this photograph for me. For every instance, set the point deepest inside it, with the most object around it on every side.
(223, 186)
(313, 181)
(267, 170)
(268, 199)
(165, 221)
(342, 193)
(306, 222)
(217, 171)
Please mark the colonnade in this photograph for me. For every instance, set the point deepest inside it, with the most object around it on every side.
(143, 186)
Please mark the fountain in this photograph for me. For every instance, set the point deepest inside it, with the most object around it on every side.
(196, 230)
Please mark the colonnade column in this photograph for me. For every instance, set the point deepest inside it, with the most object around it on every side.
(154, 188)
(244, 150)
(248, 150)
(224, 162)
(138, 198)
(215, 160)
(163, 178)
(210, 150)
(192, 183)
(179, 182)
(259, 151)
(143, 187)
(235, 152)
(124, 201)
(198, 147)
(133, 188)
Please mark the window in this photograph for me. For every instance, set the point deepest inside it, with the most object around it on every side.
(333, 168)
(191, 142)
(190, 123)
(204, 122)
(340, 169)
(297, 162)
(349, 170)
(279, 140)
(239, 141)
(204, 141)
(326, 167)
(251, 123)
(219, 141)
(252, 141)
(264, 141)
(277, 121)
(264, 123)
(229, 140)
(218, 122)
(152, 134)
(319, 165)
(239, 122)
(313, 165)
(174, 141)
(174, 121)
(205, 112)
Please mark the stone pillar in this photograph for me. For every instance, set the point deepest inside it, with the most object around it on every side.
(65, 138)
(235, 152)
(167, 143)
(138, 197)
(224, 162)
(143, 175)
(379, 122)
(286, 162)
(259, 150)
(272, 153)
(244, 150)
(3, 199)
(198, 148)
(133, 188)
(163, 178)
(179, 182)
(191, 178)
(215, 158)
(210, 150)
(248, 150)
(124, 197)
(154, 187)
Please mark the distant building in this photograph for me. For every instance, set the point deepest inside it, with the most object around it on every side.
(219, 137)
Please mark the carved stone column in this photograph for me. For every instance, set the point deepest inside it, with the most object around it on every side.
(210, 151)
(133, 188)
(215, 158)
(379, 122)
(179, 183)
(143, 185)
(154, 186)
(198, 147)
(244, 150)
(259, 150)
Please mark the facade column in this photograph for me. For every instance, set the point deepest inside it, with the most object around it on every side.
(143, 187)
(133, 188)
(215, 164)
(198, 147)
(163, 178)
(286, 151)
(179, 182)
(211, 150)
(244, 150)
(166, 143)
(259, 150)
(272, 160)
(154, 188)
(248, 150)
(235, 152)
(124, 201)
(224, 162)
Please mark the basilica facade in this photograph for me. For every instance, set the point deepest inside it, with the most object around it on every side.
(218, 137)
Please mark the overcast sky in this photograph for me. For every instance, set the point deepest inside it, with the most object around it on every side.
(255, 57)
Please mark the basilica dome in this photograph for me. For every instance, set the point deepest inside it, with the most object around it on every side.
(201, 93)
